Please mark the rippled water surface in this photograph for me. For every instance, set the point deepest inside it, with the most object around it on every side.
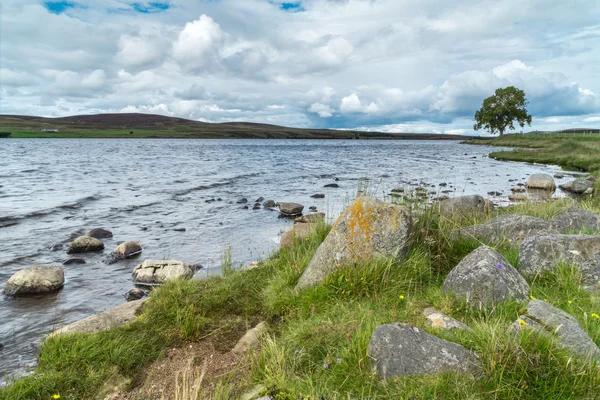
(145, 189)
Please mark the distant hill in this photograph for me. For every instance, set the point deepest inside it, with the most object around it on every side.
(160, 126)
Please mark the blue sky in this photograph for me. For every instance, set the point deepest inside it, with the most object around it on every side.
(395, 65)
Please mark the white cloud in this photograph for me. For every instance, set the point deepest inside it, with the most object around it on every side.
(197, 43)
(324, 111)
(135, 51)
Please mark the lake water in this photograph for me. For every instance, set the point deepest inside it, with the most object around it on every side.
(145, 189)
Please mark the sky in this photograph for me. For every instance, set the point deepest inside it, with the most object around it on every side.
(381, 65)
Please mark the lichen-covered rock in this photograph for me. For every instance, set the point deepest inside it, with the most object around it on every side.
(485, 277)
(576, 220)
(290, 208)
(541, 181)
(83, 244)
(100, 233)
(401, 349)
(109, 319)
(159, 271)
(463, 205)
(545, 252)
(513, 227)
(127, 249)
(438, 320)
(367, 228)
(35, 279)
(298, 232)
(547, 319)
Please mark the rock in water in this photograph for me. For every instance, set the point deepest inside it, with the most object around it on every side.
(514, 227)
(332, 185)
(463, 205)
(547, 319)
(402, 349)
(290, 208)
(318, 196)
(159, 271)
(544, 253)
(541, 181)
(35, 279)
(486, 277)
(71, 261)
(576, 220)
(270, 204)
(100, 233)
(367, 228)
(127, 249)
(134, 294)
(83, 244)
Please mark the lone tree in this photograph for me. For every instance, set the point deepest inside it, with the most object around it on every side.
(501, 110)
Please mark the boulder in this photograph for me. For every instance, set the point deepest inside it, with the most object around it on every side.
(269, 204)
(332, 185)
(578, 186)
(100, 233)
(367, 228)
(436, 319)
(318, 196)
(310, 219)
(83, 244)
(259, 200)
(485, 277)
(159, 271)
(559, 175)
(541, 181)
(545, 252)
(518, 197)
(71, 261)
(127, 249)
(563, 327)
(298, 232)
(242, 200)
(134, 294)
(290, 208)
(514, 227)
(250, 339)
(401, 349)
(109, 319)
(35, 279)
(463, 205)
(576, 220)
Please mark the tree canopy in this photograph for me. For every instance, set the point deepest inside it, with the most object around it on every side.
(502, 110)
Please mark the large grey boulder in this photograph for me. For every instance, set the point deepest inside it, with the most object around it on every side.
(514, 227)
(127, 249)
(83, 244)
(578, 186)
(547, 319)
(545, 252)
(576, 220)
(35, 279)
(541, 181)
(402, 349)
(159, 271)
(109, 319)
(463, 205)
(290, 208)
(367, 228)
(486, 277)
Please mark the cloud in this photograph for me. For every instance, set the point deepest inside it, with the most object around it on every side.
(198, 44)
(324, 111)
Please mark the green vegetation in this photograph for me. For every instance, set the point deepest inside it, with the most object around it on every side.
(318, 339)
(5, 134)
(500, 111)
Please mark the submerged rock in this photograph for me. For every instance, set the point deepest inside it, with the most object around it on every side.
(35, 279)
(243, 200)
(159, 271)
(83, 244)
(513, 227)
(541, 181)
(269, 204)
(547, 319)
(127, 249)
(463, 205)
(401, 350)
(318, 196)
(290, 208)
(546, 252)
(367, 228)
(485, 277)
(134, 294)
(71, 261)
(109, 319)
(100, 233)
(332, 185)
(576, 220)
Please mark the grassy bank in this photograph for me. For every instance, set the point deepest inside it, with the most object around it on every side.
(570, 151)
(318, 338)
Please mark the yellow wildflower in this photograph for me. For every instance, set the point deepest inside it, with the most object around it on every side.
(569, 302)
(532, 298)
(522, 322)
(56, 396)
(594, 315)
(401, 297)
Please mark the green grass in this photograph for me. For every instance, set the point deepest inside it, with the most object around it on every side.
(318, 339)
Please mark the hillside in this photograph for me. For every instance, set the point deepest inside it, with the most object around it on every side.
(159, 126)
